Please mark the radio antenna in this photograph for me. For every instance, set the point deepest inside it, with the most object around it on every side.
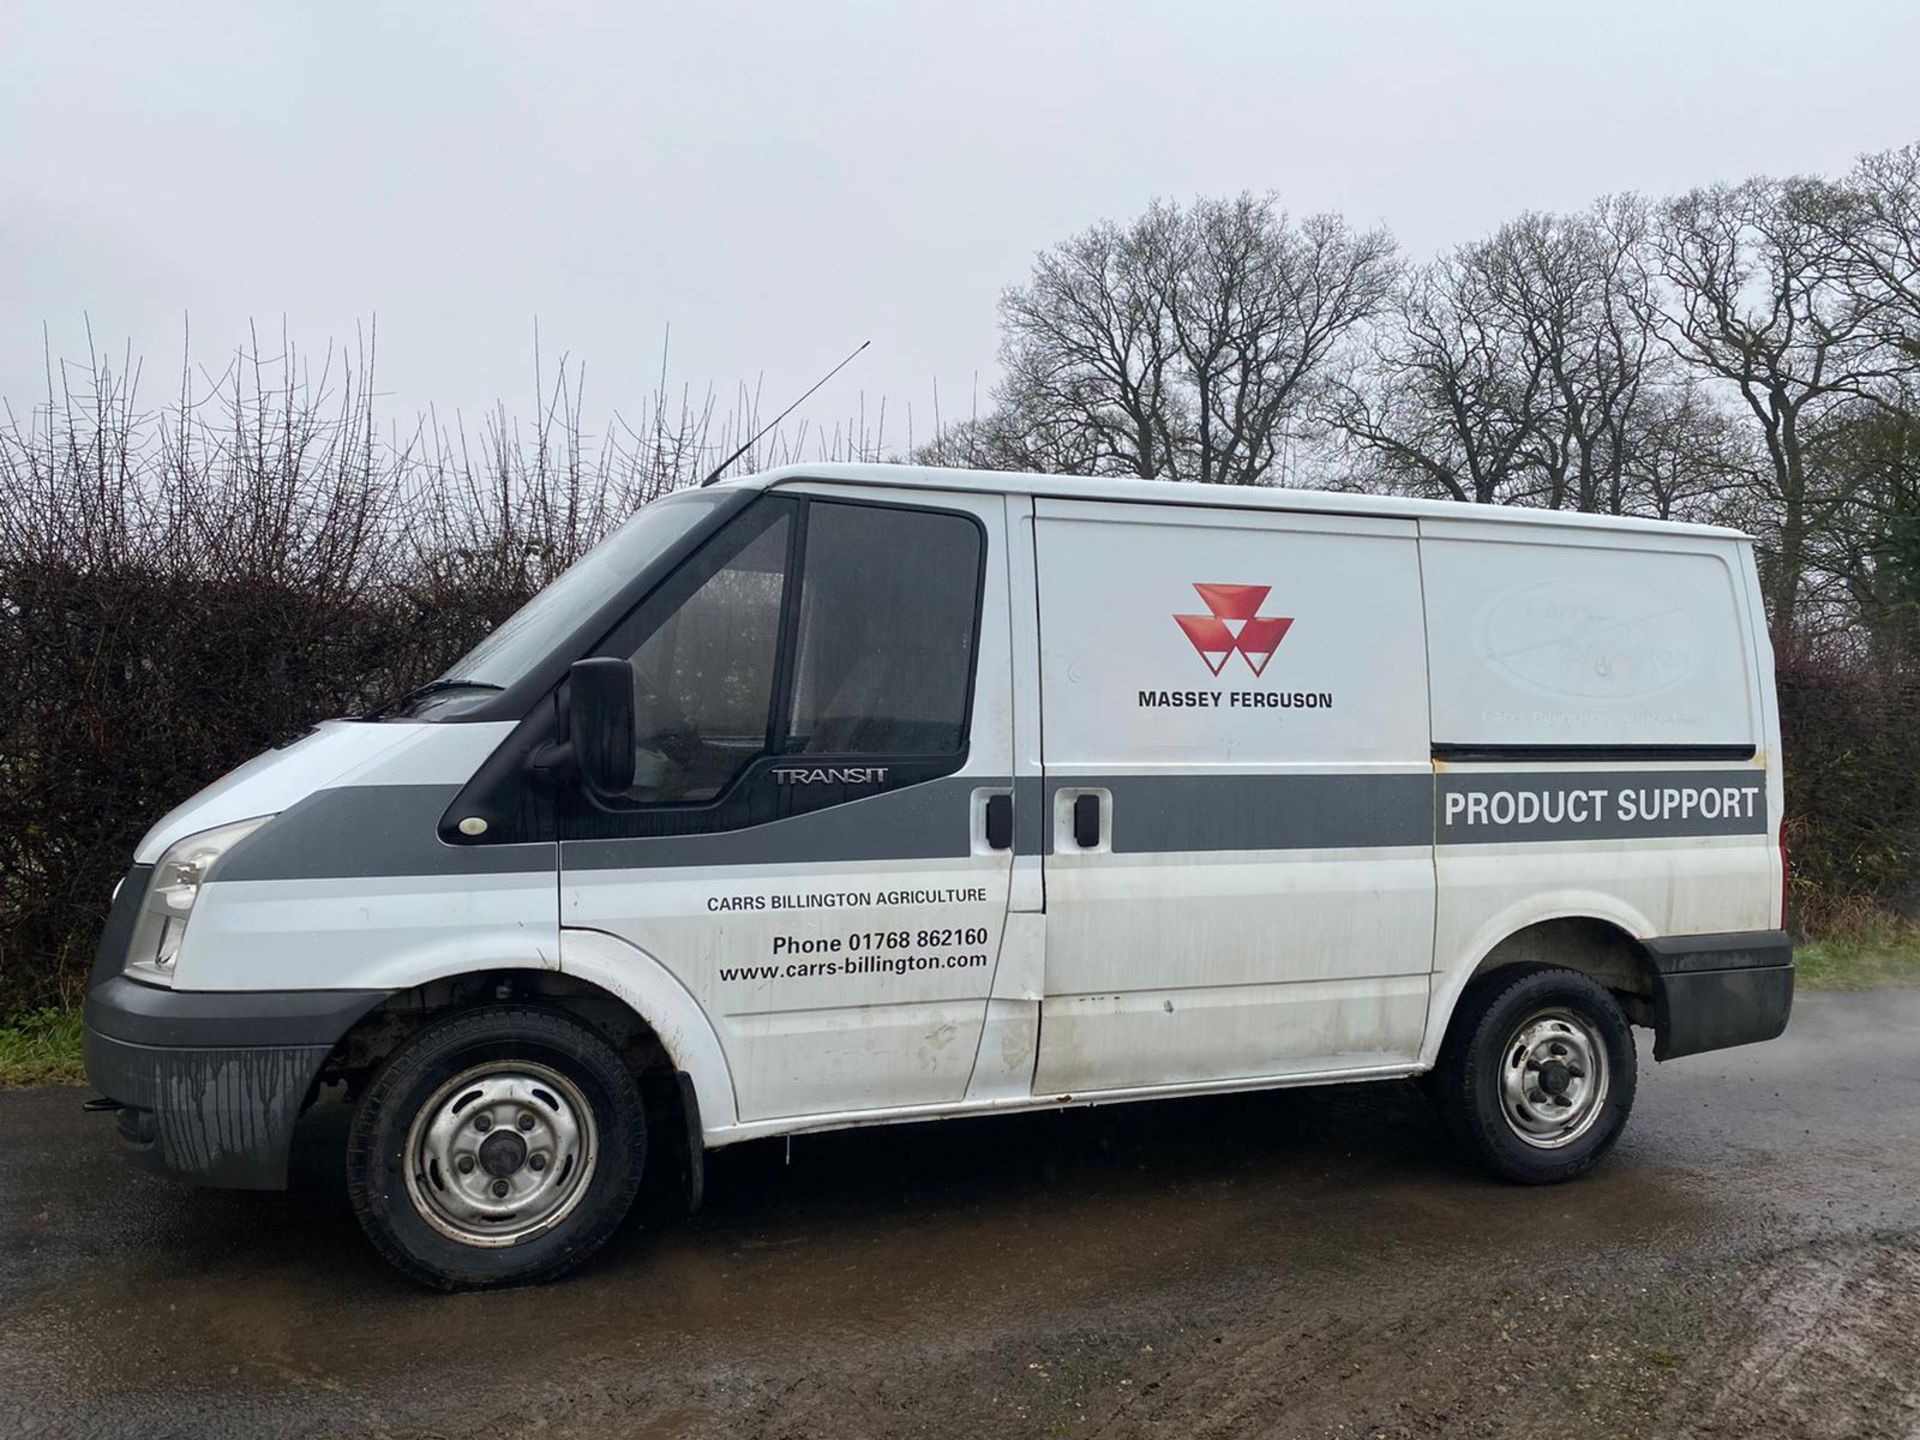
(720, 469)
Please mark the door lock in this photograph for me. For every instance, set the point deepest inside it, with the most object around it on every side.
(1086, 821)
(1000, 821)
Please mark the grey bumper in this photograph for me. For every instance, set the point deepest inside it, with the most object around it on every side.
(210, 1083)
(1714, 991)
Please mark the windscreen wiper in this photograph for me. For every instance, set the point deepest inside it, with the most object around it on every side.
(421, 692)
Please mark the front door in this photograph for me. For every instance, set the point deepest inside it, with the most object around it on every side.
(815, 844)
(1239, 879)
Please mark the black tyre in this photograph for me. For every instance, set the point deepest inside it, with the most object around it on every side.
(1536, 1077)
(499, 1146)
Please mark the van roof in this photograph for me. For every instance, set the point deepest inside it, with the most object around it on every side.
(1244, 497)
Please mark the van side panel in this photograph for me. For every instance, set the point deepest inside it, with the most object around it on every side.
(1239, 865)
(1602, 737)
(844, 957)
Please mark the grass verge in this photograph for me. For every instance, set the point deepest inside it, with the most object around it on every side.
(1887, 954)
(41, 1047)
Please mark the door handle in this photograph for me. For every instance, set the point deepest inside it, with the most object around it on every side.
(1000, 821)
(1086, 821)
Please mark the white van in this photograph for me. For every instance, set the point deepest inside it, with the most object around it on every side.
(856, 794)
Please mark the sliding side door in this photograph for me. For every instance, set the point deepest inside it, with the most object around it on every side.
(1239, 829)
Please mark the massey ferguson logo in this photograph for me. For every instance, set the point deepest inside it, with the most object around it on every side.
(1233, 625)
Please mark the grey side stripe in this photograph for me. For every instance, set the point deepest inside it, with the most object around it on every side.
(1199, 813)
(1030, 807)
(359, 830)
(930, 821)
(1155, 814)
(390, 830)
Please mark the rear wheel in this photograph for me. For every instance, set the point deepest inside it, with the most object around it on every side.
(498, 1146)
(1537, 1074)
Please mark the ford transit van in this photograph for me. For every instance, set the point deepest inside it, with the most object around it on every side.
(848, 795)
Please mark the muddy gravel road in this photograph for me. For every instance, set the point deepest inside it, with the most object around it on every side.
(1312, 1263)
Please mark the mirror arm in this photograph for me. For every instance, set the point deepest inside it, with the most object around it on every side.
(553, 763)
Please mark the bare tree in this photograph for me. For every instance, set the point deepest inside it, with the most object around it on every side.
(1003, 439)
(1524, 369)
(1685, 455)
(1758, 299)
(1577, 291)
(1874, 219)
(1260, 307)
(1087, 350)
(1872, 551)
(1447, 402)
(1184, 345)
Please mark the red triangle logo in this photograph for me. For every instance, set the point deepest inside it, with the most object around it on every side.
(1234, 602)
(1259, 638)
(1234, 625)
(1211, 637)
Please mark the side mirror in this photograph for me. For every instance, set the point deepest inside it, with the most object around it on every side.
(600, 723)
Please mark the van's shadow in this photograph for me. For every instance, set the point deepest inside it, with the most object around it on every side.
(762, 1192)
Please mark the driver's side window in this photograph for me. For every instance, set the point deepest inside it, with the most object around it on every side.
(821, 631)
(703, 679)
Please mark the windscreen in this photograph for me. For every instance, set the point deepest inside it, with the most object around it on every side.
(529, 635)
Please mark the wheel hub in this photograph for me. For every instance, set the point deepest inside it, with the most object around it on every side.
(501, 1153)
(1553, 1079)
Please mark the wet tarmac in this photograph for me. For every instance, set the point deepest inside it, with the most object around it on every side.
(1312, 1263)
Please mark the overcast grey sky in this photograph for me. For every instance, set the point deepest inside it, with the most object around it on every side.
(779, 181)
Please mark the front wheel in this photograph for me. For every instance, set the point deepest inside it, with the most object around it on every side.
(498, 1146)
(1537, 1074)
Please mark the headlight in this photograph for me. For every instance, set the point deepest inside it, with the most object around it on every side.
(171, 892)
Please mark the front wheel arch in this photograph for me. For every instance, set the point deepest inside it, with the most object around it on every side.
(673, 1098)
(395, 1020)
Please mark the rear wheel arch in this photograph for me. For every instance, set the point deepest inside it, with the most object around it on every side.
(1594, 942)
(1597, 948)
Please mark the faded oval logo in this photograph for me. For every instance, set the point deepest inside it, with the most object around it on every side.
(1585, 640)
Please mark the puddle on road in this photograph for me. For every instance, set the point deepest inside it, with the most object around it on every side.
(936, 1230)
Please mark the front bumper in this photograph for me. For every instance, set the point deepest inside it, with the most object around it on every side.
(210, 1083)
(1714, 991)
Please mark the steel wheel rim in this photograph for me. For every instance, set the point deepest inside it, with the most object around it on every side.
(1554, 1078)
(501, 1153)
